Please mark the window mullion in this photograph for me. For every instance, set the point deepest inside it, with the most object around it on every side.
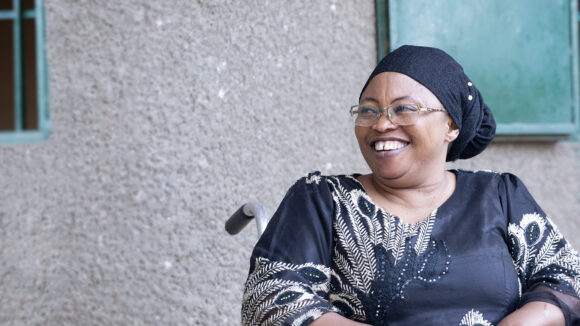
(41, 68)
(18, 71)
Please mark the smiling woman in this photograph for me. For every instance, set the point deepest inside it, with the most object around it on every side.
(412, 243)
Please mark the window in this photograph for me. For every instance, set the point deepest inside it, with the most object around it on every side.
(24, 115)
(522, 55)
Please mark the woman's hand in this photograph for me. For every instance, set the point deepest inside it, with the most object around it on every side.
(334, 319)
(535, 313)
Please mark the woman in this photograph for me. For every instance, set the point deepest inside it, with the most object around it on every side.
(412, 243)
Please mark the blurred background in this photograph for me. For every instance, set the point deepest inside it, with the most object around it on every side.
(166, 116)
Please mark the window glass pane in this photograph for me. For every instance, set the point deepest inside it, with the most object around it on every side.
(30, 88)
(5, 4)
(520, 54)
(27, 4)
(6, 76)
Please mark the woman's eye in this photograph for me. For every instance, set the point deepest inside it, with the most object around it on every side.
(404, 108)
(367, 110)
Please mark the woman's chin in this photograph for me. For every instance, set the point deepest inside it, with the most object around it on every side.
(389, 171)
(390, 176)
(388, 164)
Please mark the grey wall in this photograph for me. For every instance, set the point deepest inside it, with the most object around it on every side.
(167, 117)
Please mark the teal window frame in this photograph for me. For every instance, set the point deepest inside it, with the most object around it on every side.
(20, 135)
(537, 130)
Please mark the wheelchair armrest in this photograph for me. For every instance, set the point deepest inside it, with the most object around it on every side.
(244, 215)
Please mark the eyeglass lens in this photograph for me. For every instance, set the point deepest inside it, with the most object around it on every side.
(400, 114)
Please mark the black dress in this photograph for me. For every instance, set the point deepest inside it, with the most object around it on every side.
(486, 251)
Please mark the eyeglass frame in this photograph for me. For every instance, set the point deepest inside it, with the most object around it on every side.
(387, 109)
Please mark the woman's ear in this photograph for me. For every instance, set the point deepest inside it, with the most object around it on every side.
(452, 130)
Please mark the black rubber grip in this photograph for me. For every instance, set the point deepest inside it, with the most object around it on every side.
(238, 221)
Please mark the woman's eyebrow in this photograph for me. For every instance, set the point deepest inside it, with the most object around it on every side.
(400, 98)
(405, 97)
(368, 98)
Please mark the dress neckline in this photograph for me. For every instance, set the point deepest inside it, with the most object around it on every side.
(433, 213)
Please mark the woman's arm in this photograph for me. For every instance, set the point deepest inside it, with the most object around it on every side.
(547, 265)
(334, 319)
(289, 279)
(535, 313)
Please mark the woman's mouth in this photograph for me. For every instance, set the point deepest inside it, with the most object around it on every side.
(388, 145)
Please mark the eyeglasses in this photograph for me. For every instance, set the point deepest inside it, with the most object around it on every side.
(405, 114)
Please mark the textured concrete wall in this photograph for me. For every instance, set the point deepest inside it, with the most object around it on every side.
(169, 115)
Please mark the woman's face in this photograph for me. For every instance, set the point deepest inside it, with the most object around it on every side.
(412, 151)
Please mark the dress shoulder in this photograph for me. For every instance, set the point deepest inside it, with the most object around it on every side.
(289, 278)
(303, 218)
(313, 182)
(504, 182)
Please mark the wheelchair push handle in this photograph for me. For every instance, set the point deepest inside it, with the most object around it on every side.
(244, 215)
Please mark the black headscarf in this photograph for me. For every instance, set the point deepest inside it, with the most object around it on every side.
(445, 78)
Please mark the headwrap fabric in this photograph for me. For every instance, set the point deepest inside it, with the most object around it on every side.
(444, 77)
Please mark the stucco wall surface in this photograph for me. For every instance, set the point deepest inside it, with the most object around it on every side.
(167, 116)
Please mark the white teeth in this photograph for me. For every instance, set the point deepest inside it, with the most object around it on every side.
(388, 145)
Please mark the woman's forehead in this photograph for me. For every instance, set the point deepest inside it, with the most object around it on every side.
(389, 86)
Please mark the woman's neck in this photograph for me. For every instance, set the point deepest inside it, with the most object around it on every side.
(413, 201)
(410, 189)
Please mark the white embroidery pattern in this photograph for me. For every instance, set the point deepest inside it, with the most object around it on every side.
(474, 318)
(270, 301)
(360, 232)
(313, 178)
(538, 252)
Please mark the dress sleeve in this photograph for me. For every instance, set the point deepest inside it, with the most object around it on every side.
(548, 267)
(289, 277)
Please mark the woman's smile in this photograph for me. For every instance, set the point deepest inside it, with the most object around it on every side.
(388, 147)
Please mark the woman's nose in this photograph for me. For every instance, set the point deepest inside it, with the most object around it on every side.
(384, 123)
